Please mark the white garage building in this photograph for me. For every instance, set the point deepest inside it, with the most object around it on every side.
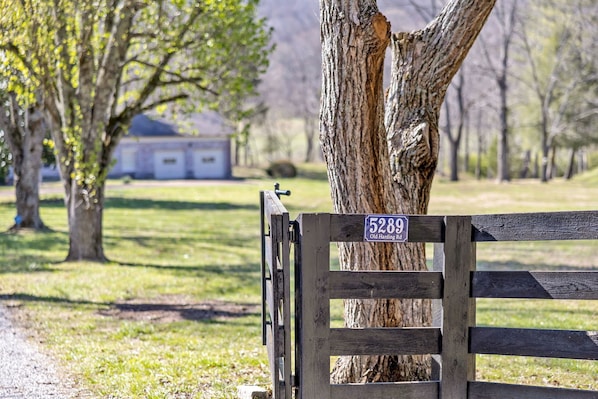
(154, 149)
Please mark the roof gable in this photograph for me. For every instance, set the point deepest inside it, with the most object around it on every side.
(207, 124)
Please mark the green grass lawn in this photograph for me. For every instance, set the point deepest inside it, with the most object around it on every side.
(175, 314)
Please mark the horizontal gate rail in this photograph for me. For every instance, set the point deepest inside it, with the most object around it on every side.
(384, 341)
(386, 390)
(385, 284)
(564, 344)
(492, 390)
(542, 226)
(539, 285)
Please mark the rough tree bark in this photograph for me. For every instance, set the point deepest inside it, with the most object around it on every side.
(24, 132)
(381, 157)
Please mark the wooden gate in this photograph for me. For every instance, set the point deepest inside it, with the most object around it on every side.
(453, 284)
(276, 283)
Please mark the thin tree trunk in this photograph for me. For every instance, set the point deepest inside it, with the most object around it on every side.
(455, 140)
(552, 170)
(478, 164)
(310, 132)
(544, 172)
(527, 159)
(571, 164)
(503, 172)
(467, 131)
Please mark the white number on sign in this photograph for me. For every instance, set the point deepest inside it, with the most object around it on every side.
(385, 225)
(386, 228)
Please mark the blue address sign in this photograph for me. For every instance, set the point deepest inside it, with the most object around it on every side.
(386, 228)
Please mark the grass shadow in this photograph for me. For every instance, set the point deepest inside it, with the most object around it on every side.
(518, 266)
(143, 203)
(163, 309)
(31, 251)
(169, 311)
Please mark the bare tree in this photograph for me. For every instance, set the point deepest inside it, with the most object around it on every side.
(293, 82)
(504, 18)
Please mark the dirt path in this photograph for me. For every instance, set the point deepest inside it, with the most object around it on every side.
(28, 373)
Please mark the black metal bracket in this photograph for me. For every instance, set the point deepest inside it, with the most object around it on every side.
(294, 231)
(280, 192)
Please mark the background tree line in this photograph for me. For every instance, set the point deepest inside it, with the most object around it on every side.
(523, 104)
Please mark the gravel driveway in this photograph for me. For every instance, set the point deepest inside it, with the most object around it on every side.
(26, 372)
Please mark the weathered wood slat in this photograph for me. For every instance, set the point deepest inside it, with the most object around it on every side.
(273, 361)
(533, 342)
(271, 255)
(270, 301)
(388, 390)
(279, 344)
(348, 228)
(313, 354)
(492, 390)
(284, 289)
(275, 324)
(458, 260)
(272, 205)
(263, 265)
(384, 341)
(276, 270)
(580, 225)
(385, 284)
(524, 284)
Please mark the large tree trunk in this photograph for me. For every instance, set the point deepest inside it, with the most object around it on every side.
(85, 224)
(24, 132)
(386, 165)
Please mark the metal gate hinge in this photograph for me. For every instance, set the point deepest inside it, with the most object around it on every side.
(294, 231)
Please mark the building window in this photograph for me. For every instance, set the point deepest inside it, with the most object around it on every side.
(169, 161)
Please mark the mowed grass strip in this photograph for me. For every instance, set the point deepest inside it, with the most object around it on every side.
(175, 314)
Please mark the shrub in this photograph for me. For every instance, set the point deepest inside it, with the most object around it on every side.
(282, 168)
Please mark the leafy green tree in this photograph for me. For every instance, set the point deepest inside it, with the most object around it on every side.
(101, 62)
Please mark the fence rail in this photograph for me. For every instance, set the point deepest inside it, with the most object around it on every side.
(454, 284)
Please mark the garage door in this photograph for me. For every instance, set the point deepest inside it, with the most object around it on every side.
(169, 164)
(209, 164)
(129, 160)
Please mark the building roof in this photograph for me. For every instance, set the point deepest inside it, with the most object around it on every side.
(142, 125)
(209, 124)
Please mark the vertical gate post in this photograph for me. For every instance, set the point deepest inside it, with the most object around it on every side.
(313, 306)
(458, 309)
